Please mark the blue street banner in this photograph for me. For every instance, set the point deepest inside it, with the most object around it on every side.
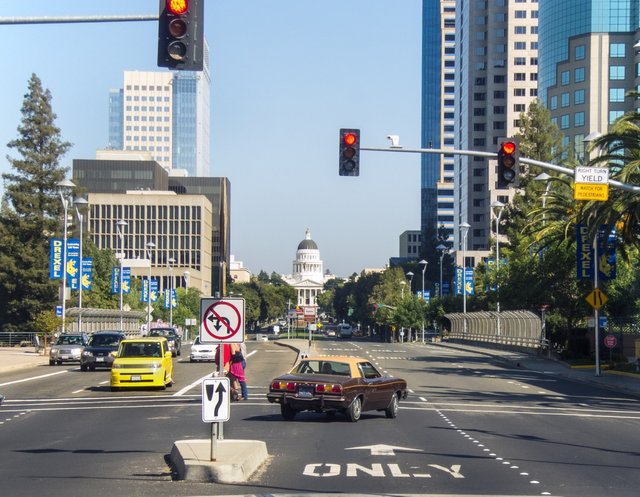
(426, 295)
(115, 279)
(59, 311)
(584, 253)
(87, 273)
(144, 291)
(56, 256)
(73, 263)
(606, 253)
(170, 298)
(154, 291)
(126, 280)
(469, 286)
(167, 299)
(457, 283)
(174, 298)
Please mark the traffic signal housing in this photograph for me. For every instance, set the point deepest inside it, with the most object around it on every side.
(508, 162)
(349, 161)
(181, 35)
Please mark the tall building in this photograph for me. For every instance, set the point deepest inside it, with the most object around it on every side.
(166, 114)
(496, 79)
(589, 59)
(438, 116)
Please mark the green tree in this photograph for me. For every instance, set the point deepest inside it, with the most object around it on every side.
(31, 212)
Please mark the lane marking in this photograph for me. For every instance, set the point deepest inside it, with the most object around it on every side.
(34, 378)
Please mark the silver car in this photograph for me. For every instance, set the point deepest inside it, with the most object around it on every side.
(202, 351)
(68, 348)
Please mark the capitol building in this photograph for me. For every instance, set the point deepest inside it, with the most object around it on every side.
(308, 276)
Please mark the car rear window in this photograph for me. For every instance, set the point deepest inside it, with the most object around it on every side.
(323, 367)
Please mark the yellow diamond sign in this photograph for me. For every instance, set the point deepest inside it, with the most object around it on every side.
(596, 298)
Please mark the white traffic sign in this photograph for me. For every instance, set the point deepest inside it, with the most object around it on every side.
(222, 320)
(216, 399)
(599, 175)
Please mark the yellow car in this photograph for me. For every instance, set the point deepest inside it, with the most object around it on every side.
(142, 363)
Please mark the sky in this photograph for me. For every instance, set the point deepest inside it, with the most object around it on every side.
(286, 76)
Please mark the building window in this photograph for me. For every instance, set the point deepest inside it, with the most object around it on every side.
(615, 114)
(578, 119)
(616, 73)
(564, 78)
(519, 92)
(521, 14)
(564, 99)
(553, 102)
(579, 52)
(578, 97)
(616, 94)
(579, 74)
(617, 50)
(520, 30)
(520, 61)
(564, 121)
(519, 108)
(520, 76)
(520, 45)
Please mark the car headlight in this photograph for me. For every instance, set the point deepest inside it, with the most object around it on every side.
(54, 350)
(76, 351)
(171, 343)
(156, 365)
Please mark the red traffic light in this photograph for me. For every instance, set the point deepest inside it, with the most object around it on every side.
(350, 139)
(508, 148)
(177, 7)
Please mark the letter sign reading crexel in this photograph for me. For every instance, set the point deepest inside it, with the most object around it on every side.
(222, 320)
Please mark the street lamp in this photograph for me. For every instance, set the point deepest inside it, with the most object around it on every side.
(170, 262)
(424, 263)
(500, 206)
(80, 203)
(64, 189)
(410, 276)
(464, 229)
(150, 247)
(121, 225)
(441, 249)
(402, 285)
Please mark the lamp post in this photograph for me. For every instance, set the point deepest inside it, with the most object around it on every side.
(150, 247)
(64, 189)
(170, 262)
(410, 276)
(121, 225)
(80, 203)
(402, 285)
(464, 229)
(424, 263)
(500, 206)
(441, 248)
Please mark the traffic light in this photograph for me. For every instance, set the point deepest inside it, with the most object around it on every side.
(181, 34)
(349, 152)
(508, 162)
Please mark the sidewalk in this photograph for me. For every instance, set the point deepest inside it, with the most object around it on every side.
(15, 358)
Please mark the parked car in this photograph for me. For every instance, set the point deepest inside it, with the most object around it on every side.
(68, 347)
(142, 363)
(202, 351)
(98, 352)
(350, 385)
(171, 334)
(345, 330)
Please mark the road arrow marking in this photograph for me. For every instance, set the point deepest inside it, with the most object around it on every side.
(383, 450)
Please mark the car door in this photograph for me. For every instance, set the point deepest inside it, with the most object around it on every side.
(379, 391)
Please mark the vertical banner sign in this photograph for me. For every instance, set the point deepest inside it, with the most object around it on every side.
(167, 299)
(73, 263)
(174, 298)
(87, 273)
(126, 280)
(153, 292)
(144, 291)
(469, 287)
(55, 258)
(606, 253)
(115, 279)
(584, 253)
(458, 281)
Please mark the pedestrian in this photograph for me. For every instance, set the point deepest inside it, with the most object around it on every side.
(236, 371)
(243, 383)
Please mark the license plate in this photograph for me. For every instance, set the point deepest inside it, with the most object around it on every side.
(305, 392)
(65, 357)
(135, 378)
(99, 359)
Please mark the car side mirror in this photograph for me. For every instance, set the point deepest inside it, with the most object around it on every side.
(113, 354)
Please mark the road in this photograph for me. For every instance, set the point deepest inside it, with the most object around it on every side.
(468, 427)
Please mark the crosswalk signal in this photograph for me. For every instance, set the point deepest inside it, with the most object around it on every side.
(181, 34)
(349, 152)
(508, 162)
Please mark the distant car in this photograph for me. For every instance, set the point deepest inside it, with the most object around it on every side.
(332, 384)
(142, 363)
(171, 334)
(330, 332)
(68, 348)
(345, 330)
(97, 354)
(202, 351)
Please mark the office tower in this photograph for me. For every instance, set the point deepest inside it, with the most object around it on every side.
(496, 79)
(166, 114)
(589, 60)
(438, 118)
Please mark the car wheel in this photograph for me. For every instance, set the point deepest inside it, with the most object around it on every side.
(288, 412)
(59, 363)
(51, 363)
(392, 411)
(83, 367)
(178, 352)
(354, 411)
(191, 360)
(92, 368)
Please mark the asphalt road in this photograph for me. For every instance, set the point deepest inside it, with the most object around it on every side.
(469, 427)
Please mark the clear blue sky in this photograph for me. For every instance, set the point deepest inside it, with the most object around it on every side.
(286, 75)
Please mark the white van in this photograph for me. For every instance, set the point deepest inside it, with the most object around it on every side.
(345, 330)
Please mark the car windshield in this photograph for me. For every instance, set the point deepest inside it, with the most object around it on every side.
(140, 349)
(318, 366)
(104, 340)
(70, 340)
(163, 332)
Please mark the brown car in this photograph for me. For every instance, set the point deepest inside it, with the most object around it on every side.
(332, 384)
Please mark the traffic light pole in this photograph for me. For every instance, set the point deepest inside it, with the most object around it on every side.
(492, 155)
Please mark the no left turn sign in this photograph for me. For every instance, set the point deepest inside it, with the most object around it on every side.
(222, 320)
